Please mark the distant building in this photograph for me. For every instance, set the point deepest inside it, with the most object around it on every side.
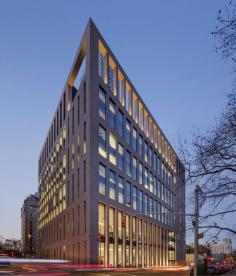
(29, 235)
(225, 247)
(10, 244)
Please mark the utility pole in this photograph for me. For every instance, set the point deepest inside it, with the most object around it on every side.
(196, 216)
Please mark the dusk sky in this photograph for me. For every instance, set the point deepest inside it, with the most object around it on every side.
(165, 47)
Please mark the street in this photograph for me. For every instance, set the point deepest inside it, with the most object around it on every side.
(64, 270)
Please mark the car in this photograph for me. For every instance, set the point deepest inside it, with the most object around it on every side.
(211, 269)
(4, 260)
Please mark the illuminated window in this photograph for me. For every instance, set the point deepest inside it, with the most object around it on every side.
(135, 107)
(120, 237)
(128, 98)
(102, 103)
(127, 246)
(101, 230)
(145, 121)
(102, 142)
(140, 115)
(102, 179)
(111, 230)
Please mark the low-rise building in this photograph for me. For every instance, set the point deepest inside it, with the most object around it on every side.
(225, 247)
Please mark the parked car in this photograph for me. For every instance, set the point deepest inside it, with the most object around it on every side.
(4, 260)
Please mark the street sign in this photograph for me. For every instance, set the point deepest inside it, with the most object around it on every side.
(200, 236)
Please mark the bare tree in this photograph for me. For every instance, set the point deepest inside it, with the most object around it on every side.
(210, 160)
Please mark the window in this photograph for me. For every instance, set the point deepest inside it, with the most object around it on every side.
(101, 219)
(112, 115)
(151, 207)
(163, 192)
(120, 157)
(111, 230)
(159, 211)
(140, 201)
(120, 189)
(134, 168)
(150, 156)
(102, 142)
(128, 194)
(155, 209)
(112, 149)
(155, 162)
(135, 107)
(112, 185)
(101, 65)
(146, 151)
(102, 179)
(146, 178)
(155, 186)
(134, 197)
(140, 173)
(102, 103)
(120, 123)
(140, 145)
(102, 61)
(159, 189)
(128, 163)
(151, 182)
(111, 78)
(120, 88)
(146, 204)
(128, 98)
(159, 166)
(134, 142)
(128, 130)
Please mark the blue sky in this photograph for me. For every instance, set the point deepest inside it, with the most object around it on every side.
(165, 47)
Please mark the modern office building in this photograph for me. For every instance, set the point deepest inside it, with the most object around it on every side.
(109, 180)
(29, 228)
